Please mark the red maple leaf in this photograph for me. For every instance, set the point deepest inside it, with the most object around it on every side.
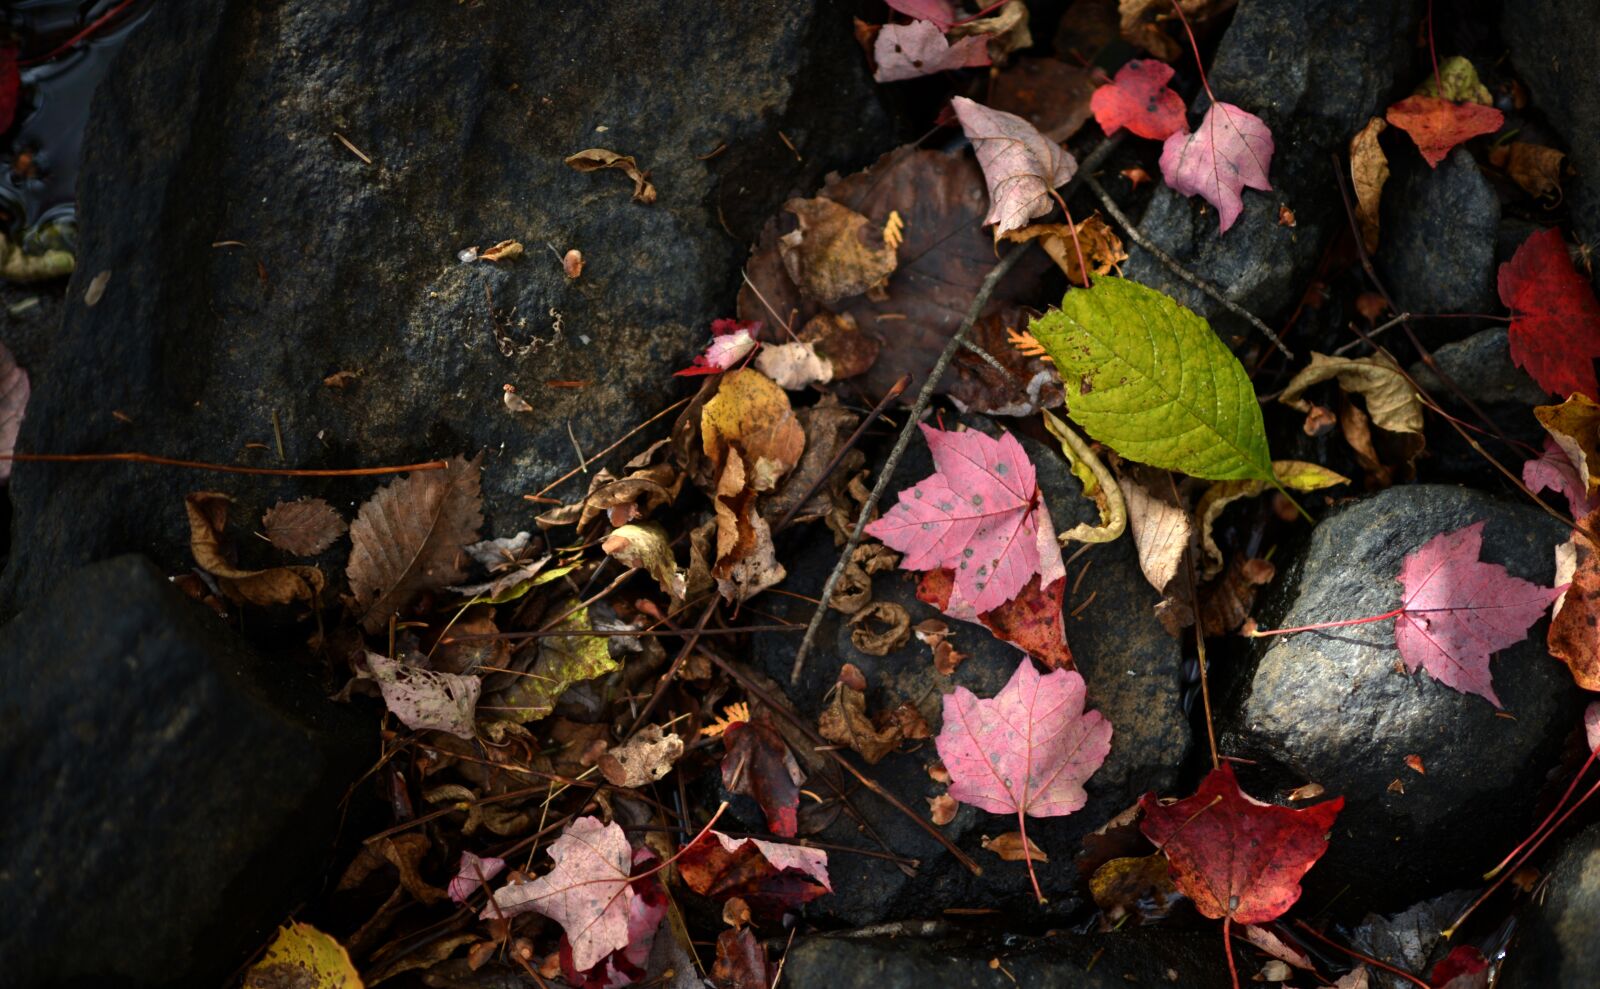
(1555, 320)
(10, 87)
(1140, 100)
(1026, 751)
(1463, 968)
(1237, 858)
(758, 764)
(1438, 125)
(1031, 621)
(980, 515)
(771, 877)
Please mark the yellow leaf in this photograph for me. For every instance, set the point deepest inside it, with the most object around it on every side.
(303, 957)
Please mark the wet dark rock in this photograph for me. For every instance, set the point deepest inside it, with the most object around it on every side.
(1557, 947)
(1439, 229)
(1062, 961)
(251, 254)
(170, 795)
(1481, 366)
(1133, 671)
(1556, 51)
(1330, 707)
(1315, 72)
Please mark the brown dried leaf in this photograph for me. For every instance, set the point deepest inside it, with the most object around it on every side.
(1142, 22)
(1162, 531)
(1536, 168)
(303, 528)
(894, 633)
(1227, 602)
(751, 413)
(1391, 401)
(1134, 887)
(1369, 170)
(1006, 30)
(572, 263)
(1102, 248)
(644, 758)
(506, 250)
(648, 548)
(208, 517)
(746, 562)
(595, 159)
(1046, 92)
(1013, 847)
(407, 538)
(844, 721)
(836, 252)
(827, 427)
(943, 809)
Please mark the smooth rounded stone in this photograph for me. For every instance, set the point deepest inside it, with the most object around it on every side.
(1437, 252)
(1557, 947)
(1314, 71)
(1335, 707)
(1481, 366)
(1131, 666)
(251, 254)
(870, 960)
(170, 794)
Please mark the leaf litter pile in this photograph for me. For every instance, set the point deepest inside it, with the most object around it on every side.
(554, 690)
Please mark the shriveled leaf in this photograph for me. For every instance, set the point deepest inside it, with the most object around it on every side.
(643, 759)
(587, 893)
(1006, 30)
(1555, 319)
(1098, 484)
(305, 958)
(769, 876)
(758, 764)
(1438, 125)
(648, 548)
(1142, 22)
(746, 561)
(835, 252)
(427, 699)
(844, 720)
(1460, 81)
(14, 391)
(1295, 475)
(1134, 886)
(1101, 248)
(1140, 100)
(208, 517)
(407, 538)
(906, 51)
(1149, 378)
(563, 660)
(1021, 166)
(1230, 151)
(1575, 630)
(1392, 402)
(1235, 856)
(304, 528)
(1369, 170)
(473, 874)
(880, 627)
(595, 159)
(827, 426)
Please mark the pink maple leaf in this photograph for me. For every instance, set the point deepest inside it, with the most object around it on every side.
(1458, 610)
(14, 391)
(980, 515)
(1140, 100)
(626, 965)
(587, 893)
(906, 51)
(1026, 751)
(473, 873)
(940, 12)
(1554, 470)
(731, 342)
(1231, 149)
(1021, 166)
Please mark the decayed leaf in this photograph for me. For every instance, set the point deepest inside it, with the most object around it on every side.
(746, 562)
(594, 159)
(835, 252)
(829, 347)
(426, 699)
(1234, 856)
(890, 630)
(587, 893)
(980, 514)
(1574, 425)
(14, 391)
(1554, 470)
(906, 51)
(1460, 79)
(407, 538)
(1142, 22)
(1171, 395)
(1295, 475)
(1028, 750)
(648, 548)
(1014, 846)
(936, 635)
(827, 426)
(1575, 630)
(1438, 125)
(770, 876)
(1226, 603)
(472, 875)
(741, 961)
(758, 764)
(844, 720)
(506, 250)
(563, 660)
(208, 517)
(1161, 532)
(305, 958)
(1536, 168)
(1391, 400)
(1102, 248)
(1021, 166)
(1134, 886)
(304, 528)
(1140, 100)
(1031, 621)
(1369, 170)
(1274, 946)
(1555, 320)
(1230, 150)
(644, 758)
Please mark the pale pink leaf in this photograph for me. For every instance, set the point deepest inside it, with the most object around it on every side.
(1021, 166)
(1027, 750)
(1231, 149)
(906, 51)
(1274, 946)
(1591, 725)
(472, 874)
(1354, 979)
(940, 12)
(587, 892)
(725, 351)
(1458, 610)
(811, 861)
(14, 391)
(427, 699)
(1554, 470)
(980, 515)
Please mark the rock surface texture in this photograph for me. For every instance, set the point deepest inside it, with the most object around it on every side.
(1557, 948)
(250, 253)
(170, 794)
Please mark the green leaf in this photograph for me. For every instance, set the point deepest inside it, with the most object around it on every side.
(1150, 379)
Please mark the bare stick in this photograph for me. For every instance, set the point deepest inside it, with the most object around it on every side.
(149, 458)
(1138, 237)
(924, 397)
(893, 393)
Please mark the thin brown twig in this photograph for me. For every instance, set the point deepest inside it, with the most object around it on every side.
(1199, 635)
(149, 458)
(624, 438)
(893, 393)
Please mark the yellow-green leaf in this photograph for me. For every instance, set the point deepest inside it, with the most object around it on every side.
(1297, 475)
(563, 661)
(1150, 379)
(303, 957)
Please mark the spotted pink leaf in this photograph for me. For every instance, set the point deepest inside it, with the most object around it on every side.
(980, 515)
(940, 12)
(1026, 751)
(1140, 100)
(906, 51)
(1231, 149)
(587, 893)
(1458, 610)
(1021, 166)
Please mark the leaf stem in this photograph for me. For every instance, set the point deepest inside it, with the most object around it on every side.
(1368, 959)
(150, 458)
(1433, 53)
(1027, 856)
(1262, 633)
(1548, 817)
(679, 854)
(1207, 85)
(1227, 948)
